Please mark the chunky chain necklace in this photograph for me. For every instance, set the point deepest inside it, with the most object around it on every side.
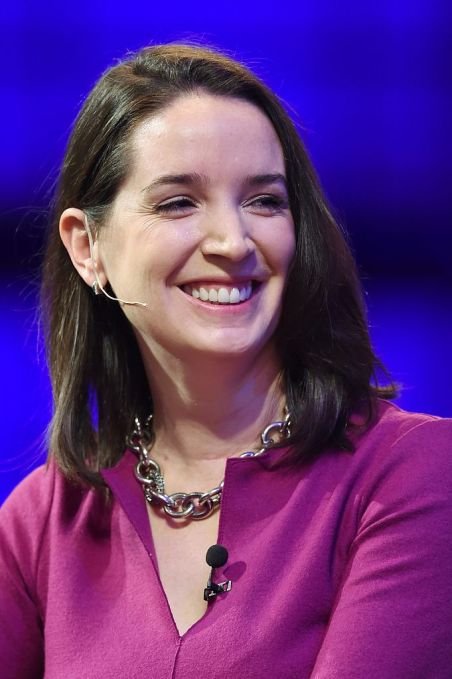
(194, 505)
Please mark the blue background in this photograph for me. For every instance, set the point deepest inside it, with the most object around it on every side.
(371, 85)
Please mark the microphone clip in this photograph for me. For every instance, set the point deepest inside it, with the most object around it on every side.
(214, 588)
(216, 556)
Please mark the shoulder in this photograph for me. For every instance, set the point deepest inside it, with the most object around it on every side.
(394, 429)
(23, 520)
(24, 514)
(395, 423)
(44, 503)
(395, 550)
(405, 455)
(32, 497)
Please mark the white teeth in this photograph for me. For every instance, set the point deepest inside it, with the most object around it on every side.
(222, 295)
(245, 293)
(234, 296)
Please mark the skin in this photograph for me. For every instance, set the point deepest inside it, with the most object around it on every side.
(212, 368)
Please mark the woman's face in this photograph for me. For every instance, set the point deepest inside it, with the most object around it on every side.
(201, 229)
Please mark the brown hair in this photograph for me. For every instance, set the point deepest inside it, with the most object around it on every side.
(98, 378)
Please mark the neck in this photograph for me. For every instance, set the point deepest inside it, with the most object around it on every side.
(212, 408)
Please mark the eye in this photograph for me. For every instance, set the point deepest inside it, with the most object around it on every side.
(178, 205)
(268, 204)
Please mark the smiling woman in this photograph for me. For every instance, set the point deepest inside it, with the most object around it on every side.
(204, 212)
(214, 382)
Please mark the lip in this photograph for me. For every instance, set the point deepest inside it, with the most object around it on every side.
(219, 281)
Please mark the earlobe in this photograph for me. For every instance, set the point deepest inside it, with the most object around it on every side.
(75, 234)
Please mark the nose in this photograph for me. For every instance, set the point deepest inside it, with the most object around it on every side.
(227, 235)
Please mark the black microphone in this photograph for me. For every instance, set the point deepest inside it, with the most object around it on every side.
(216, 556)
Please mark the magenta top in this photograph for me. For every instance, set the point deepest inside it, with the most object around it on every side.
(342, 569)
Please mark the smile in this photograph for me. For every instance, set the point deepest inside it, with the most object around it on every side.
(220, 294)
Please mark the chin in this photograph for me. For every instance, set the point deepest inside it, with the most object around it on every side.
(224, 348)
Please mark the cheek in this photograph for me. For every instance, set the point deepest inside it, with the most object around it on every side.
(168, 244)
(155, 257)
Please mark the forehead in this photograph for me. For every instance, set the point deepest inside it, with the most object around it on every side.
(212, 135)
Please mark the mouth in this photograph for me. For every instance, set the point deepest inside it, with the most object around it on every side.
(222, 294)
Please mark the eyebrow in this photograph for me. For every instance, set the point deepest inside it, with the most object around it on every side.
(188, 179)
(194, 178)
(258, 180)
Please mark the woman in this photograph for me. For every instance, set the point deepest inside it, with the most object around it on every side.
(198, 294)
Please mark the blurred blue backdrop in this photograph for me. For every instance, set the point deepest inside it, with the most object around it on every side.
(370, 87)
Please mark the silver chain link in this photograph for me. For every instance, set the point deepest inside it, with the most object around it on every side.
(193, 505)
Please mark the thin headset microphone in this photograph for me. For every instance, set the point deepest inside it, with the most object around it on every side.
(96, 275)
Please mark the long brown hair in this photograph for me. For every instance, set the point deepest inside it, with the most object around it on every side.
(98, 378)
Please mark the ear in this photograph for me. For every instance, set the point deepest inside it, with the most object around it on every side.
(74, 234)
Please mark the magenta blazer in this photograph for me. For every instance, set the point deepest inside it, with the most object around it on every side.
(341, 569)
